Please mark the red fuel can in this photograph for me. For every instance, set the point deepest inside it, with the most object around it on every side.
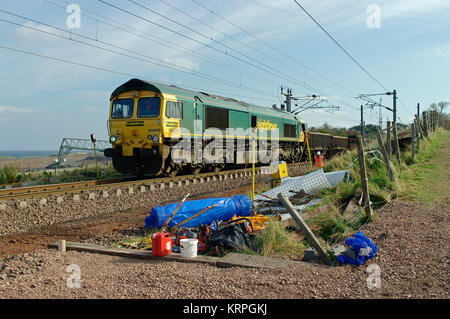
(161, 244)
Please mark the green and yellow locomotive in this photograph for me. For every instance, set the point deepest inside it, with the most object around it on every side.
(146, 119)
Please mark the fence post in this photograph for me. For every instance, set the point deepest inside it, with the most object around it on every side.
(304, 228)
(435, 120)
(386, 160)
(419, 126)
(417, 129)
(413, 142)
(397, 146)
(364, 180)
(425, 124)
(388, 140)
(430, 115)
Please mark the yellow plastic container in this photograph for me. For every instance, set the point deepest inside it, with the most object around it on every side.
(280, 174)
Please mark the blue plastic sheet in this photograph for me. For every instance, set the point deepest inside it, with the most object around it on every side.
(226, 208)
(358, 242)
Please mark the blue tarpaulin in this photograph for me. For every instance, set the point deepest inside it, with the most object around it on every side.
(225, 208)
(363, 248)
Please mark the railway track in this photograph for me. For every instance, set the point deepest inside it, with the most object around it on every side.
(78, 187)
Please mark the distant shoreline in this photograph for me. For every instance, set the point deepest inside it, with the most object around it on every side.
(11, 155)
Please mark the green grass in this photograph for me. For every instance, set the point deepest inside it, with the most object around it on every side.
(11, 174)
(275, 241)
(14, 174)
(332, 225)
(426, 179)
(422, 179)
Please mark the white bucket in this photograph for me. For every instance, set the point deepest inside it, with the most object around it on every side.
(188, 247)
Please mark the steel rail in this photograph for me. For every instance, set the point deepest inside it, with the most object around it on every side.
(79, 187)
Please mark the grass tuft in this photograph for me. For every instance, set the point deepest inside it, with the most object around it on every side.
(276, 241)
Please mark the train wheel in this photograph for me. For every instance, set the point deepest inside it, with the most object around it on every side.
(171, 171)
(139, 172)
(218, 168)
(196, 170)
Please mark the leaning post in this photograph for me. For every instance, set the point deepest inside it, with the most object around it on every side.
(397, 146)
(304, 228)
(419, 126)
(364, 179)
(386, 160)
(388, 140)
(417, 129)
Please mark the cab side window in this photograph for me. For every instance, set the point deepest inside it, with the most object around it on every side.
(174, 110)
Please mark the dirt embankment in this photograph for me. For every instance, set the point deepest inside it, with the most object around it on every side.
(412, 260)
(33, 227)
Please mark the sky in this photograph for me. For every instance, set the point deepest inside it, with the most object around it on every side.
(244, 49)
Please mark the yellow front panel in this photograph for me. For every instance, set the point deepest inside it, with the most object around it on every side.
(134, 131)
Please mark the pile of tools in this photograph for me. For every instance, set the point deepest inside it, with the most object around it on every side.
(214, 239)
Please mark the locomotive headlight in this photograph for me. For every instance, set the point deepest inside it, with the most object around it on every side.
(150, 137)
(112, 139)
(156, 138)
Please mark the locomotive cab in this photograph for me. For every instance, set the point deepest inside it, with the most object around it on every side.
(136, 130)
(146, 120)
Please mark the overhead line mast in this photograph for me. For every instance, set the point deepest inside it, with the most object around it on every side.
(290, 97)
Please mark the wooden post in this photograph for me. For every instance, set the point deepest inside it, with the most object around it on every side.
(386, 160)
(419, 126)
(62, 246)
(425, 124)
(417, 129)
(434, 121)
(388, 140)
(304, 228)
(413, 143)
(430, 119)
(397, 146)
(364, 180)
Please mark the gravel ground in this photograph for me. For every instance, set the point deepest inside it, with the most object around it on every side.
(16, 219)
(413, 260)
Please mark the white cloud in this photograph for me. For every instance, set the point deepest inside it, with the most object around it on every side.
(15, 109)
(441, 50)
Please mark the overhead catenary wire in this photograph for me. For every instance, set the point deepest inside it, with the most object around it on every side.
(271, 46)
(289, 67)
(274, 72)
(155, 61)
(96, 68)
(308, 87)
(265, 68)
(277, 50)
(340, 46)
(164, 63)
(165, 42)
